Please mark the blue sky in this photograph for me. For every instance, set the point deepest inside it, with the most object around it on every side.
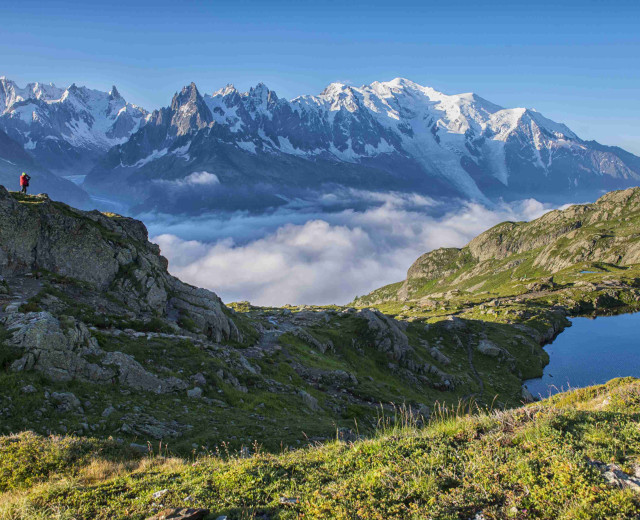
(577, 62)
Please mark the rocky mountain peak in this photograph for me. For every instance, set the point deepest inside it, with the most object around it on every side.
(189, 110)
(114, 94)
(227, 90)
(188, 94)
(260, 98)
(259, 91)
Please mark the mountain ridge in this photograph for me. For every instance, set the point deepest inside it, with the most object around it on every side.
(394, 135)
(389, 133)
(66, 128)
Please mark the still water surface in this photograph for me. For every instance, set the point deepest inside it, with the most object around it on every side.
(592, 351)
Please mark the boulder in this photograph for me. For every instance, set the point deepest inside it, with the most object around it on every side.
(527, 396)
(616, 477)
(132, 374)
(312, 341)
(437, 355)
(195, 393)
(65, 401)
(309, 401)
(489, 348)
(200, 379)
(387, 333)
(148, 426)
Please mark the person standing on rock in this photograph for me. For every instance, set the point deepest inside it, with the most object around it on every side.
(24, 182)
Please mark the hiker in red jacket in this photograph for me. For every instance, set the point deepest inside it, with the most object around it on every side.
(24, 182)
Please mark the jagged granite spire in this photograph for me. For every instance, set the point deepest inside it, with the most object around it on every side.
(189, 111)
(114, 94)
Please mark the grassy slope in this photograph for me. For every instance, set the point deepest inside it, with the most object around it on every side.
(532, 459)
(278, 419)
(579, 238)
(530, 462)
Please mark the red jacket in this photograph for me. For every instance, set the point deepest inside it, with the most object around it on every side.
(24, 180)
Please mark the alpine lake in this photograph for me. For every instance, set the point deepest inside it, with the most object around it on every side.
(591, 351)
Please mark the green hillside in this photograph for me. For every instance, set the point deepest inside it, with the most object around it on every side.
(584, 248)
(574, 456)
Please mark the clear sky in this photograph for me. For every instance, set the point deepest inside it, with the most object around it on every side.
(577, 62)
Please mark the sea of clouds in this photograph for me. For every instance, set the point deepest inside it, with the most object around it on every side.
(323, 251)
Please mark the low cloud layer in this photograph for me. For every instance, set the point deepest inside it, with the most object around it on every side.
(307, 256)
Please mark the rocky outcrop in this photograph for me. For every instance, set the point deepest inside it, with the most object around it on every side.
(148, 426)
(309, 401)
(312, 341)
(616, 477)
(60, 353)
(68, 352)
(131, 374)
(107, 251)
(387, 333)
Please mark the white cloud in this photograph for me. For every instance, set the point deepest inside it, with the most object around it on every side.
(193, 179)
(202, 178)
(314, 257)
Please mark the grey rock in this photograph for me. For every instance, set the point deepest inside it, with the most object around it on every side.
(424, 411)
(309, 401)
(160, 494)
(66, 401)
(348, 435)
(185, 513)
(55, 352)
(488, 348)
(200, 379)
(148, 426)
(132, 374)
(439, 356)
(527, 396)
(142, 448)
(312, 341)
(614, 476)
(245, 453)
(387, 332)
(195, 393)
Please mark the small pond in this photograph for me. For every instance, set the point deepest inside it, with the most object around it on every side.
(591, 351)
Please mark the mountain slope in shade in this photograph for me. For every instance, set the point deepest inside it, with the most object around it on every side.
(66, 129)
(389, 135)
(14, 160)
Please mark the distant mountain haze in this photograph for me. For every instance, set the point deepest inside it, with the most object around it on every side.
(253, 150)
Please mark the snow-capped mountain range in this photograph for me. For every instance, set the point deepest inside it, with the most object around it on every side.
(66, 129)
(258, 148)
